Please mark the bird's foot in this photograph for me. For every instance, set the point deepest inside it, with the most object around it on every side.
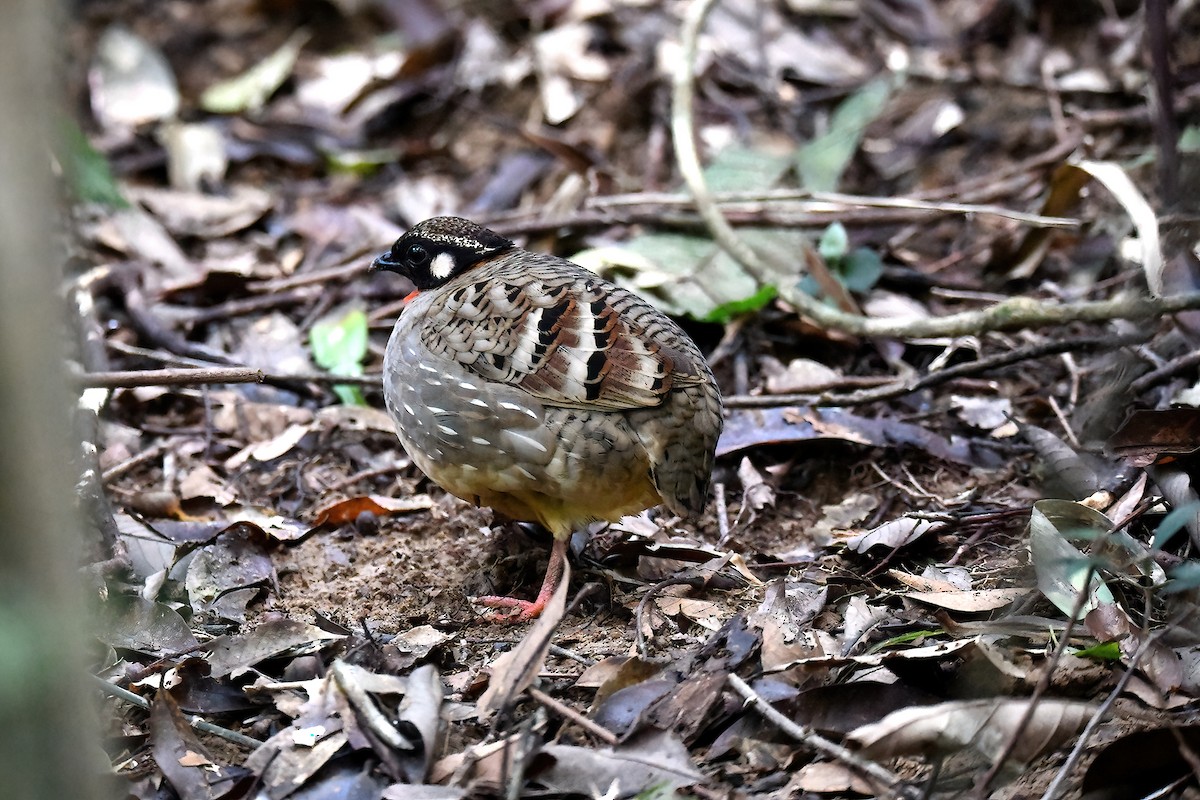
(518, 610)
(525, 610)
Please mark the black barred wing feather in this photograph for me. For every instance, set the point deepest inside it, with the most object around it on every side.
(562, 334)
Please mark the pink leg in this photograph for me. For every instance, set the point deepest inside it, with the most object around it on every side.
(524, 610)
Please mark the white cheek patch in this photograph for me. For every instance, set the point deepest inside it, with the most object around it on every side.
(442, 266)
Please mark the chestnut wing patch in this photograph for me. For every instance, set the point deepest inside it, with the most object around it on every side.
(568, 344)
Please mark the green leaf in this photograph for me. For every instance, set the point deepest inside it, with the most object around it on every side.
(905, 638)
(87, 171)
(349, 395)
(1107, 651)
(860, 270)
(1172, 523)
(822, 161)
(361, 163)
(834, 243)
(250, 90)
(1189, 140)
(1061, 568)
(690, 275)
(339, 344)
(743, 169)
(727, 311)
(1184, 577)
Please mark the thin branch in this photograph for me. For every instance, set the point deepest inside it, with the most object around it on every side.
(571, 715)
(900, 388)
(197, 723)
(149, 454)
(1166, 371)
(997, 181)
(895, 787)
(169, 377)
(1166, 130)
(214, 375)
(827, 203)
(522, 222)
(1018, 312)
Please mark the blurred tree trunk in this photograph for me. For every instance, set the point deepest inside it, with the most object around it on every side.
(48, 740)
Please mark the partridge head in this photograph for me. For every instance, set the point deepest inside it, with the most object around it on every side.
(524, 382)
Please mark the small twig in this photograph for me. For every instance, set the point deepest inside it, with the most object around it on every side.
(365, 475)
(365, 709)
(149, 326)
(785, 215)
(1047, 673)
(869, 769)
(149, 454)
(1166, 130)
(969, 368)
(832, 203)
(94, 501)
(204, 376)
(1061, 416)
(1168, 370)
(563, 652)
(571, 715)
(161, 356)
(722, 514)
(249, 305)
(353, 266)
(170, 377)
(197, 723)
(997, 182)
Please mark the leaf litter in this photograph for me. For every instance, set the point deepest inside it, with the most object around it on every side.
(899, 570)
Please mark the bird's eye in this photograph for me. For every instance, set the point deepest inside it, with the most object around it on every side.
(417, 254)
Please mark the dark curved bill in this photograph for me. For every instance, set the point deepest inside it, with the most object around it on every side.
(384, 262)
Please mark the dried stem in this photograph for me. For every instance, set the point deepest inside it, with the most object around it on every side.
(195, 722)
(869, 769)
(916, 384)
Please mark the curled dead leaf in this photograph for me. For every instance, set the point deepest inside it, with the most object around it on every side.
(984, 725)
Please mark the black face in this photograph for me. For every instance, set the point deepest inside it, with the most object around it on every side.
(434, 251)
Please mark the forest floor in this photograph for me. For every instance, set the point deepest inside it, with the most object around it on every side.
(941, 547)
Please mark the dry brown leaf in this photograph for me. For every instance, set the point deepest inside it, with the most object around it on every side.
(975, 600)
(489, 764)
(346, 511)
(187, 213)
(827, 777)
(800, 375)
(756, 492)
(231, 654)
(184, 761)
(704, 613)
(984, 725)
(270, 449)
(892, 534)
(652, 760)
(283, 767)
(131, 81)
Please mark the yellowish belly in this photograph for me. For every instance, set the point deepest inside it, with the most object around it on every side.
(561, 506)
